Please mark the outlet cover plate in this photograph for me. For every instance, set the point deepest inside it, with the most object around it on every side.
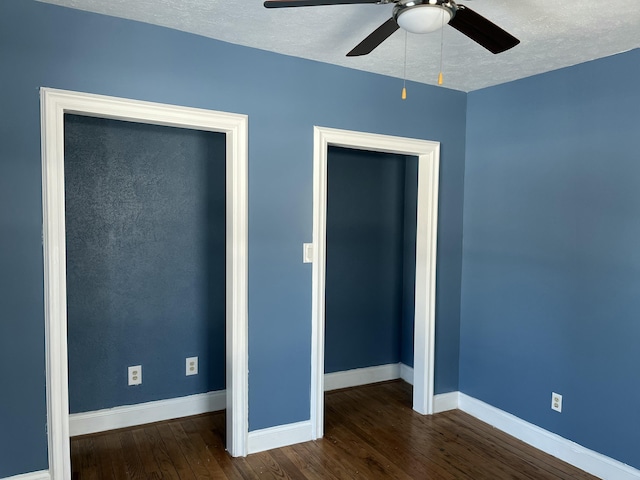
(192, 366)
(135, 375)
(556, 402)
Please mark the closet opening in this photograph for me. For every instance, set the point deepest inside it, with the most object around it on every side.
(157, 266)
(370, 273)
(327, 142)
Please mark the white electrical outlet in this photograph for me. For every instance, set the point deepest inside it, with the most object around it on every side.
(556, 402)
(192, 366)
(135, 375)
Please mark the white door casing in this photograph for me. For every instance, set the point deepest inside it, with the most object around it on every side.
(54, 104)
(428, 154)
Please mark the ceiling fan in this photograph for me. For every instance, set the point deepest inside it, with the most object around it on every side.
(420, 16)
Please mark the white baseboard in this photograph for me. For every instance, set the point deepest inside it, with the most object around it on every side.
(406, 373)
(280, 436)
(592, 462)
(566, 450)
(42, 475)
(283, 435)
(149, 412)
(361, 376)
(443, 402)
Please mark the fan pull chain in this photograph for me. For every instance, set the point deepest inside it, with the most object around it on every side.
(404, 75)
(441, 48)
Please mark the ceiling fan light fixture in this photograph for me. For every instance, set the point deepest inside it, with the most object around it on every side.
(423, 17)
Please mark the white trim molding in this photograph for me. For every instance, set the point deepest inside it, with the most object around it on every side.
(361, 376)
(382, 373)
(444, 402)
(148, 412)
(548, 442)
(592, 462)
(406, 373)
(54, 104)
(428, 154)
(280, 436)
(41, 475)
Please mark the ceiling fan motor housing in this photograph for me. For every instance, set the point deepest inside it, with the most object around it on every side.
(420, 16)
(423, 16)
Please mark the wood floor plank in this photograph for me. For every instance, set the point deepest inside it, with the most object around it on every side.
(415, 456)
(76, 458)
(365, 459)
(286, 469)
(322, 463)
(205, 455)
(156, 447)
(468, 456)
(511, 447)
(174, 453)
(190, 453)
(496, 450)
(210, 429)
(263, 466)
(88, 468)
(480, 445)
(304, 464)
(145, 452)
(419, 446)
(483, 445)
(103, 455)
(132, 460)
(278, 457)
(371, 433)
(116, 456)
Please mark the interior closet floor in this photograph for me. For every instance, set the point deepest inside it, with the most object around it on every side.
(370, 433)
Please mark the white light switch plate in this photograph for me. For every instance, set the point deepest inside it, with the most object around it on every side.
(307, 255)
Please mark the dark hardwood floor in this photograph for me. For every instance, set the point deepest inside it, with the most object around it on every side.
(371, 432)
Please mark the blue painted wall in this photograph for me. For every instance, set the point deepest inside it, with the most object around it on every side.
(284, 97)
(145, 227)
(365, 278)
(407, 323)
(551, 269)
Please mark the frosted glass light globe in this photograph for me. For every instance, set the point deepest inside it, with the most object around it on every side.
(423, 18)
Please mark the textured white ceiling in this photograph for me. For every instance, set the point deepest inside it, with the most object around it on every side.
(553, 34)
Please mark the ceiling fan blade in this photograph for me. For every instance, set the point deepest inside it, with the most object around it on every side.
(482, 31)
(312, 3)
(378, 36)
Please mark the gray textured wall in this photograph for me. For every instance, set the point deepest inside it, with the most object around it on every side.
(366, 258)
(145, 213)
